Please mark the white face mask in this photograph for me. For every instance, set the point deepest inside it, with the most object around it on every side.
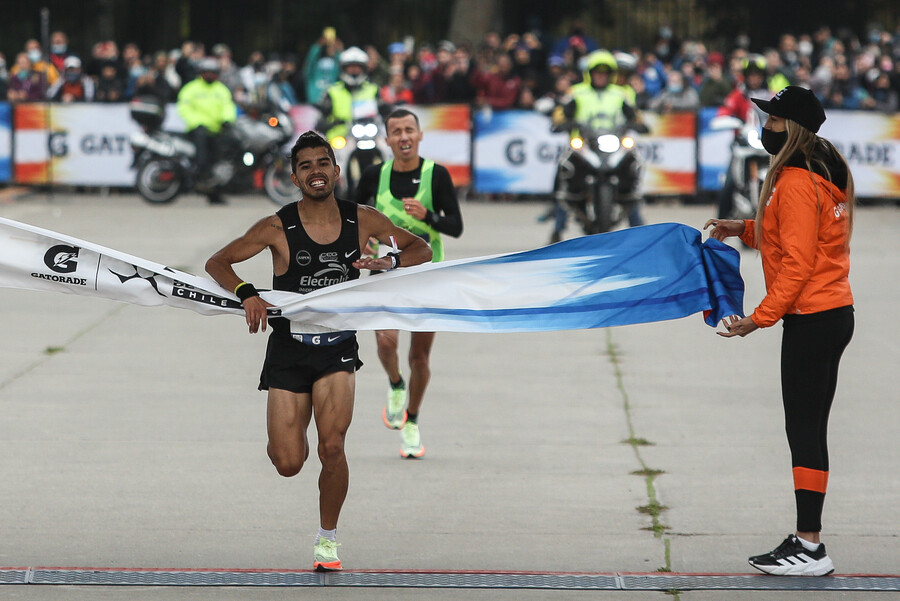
(34, 55)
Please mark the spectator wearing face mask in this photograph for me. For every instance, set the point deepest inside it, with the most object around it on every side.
(654, 73)
(38, 63)
(25, 83)
(676, 96)
(59, 50)
(73, 86)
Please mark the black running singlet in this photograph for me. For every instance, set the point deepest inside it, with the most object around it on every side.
(313, 265)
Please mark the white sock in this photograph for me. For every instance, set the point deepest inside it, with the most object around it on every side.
(332, 535)
(808, 545)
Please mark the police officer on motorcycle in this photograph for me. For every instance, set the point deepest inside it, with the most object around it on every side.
(600, 104)
(205, 104)
(352, 86)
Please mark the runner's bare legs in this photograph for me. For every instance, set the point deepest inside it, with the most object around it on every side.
(289, 414)
(387, 341)
(419, 362)
(419, 368)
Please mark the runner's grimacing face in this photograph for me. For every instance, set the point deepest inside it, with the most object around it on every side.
(315, 174)
(403, 136)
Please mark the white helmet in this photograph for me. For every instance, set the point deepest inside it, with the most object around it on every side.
(626, 61)
(354, 56)
(208, 64)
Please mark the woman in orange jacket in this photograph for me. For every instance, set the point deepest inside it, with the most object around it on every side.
(802, 231)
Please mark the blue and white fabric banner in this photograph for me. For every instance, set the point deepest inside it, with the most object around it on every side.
(645, 274)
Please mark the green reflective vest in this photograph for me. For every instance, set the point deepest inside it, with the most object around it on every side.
(600, 110)
(342, 105)
(627, 91)
(207, 104)
(393, 207)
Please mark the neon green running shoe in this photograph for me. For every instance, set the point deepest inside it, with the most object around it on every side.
(325, 553)
(411, 447)
(394, 414)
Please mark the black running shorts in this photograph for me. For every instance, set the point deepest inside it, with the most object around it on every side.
(294, 366)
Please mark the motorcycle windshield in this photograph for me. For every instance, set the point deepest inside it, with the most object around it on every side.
(364, 109)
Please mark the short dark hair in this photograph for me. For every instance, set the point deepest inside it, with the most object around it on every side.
(399, 114)
(310, 139)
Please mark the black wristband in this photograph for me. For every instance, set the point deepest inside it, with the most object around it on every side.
(395, 259)
(245, 290)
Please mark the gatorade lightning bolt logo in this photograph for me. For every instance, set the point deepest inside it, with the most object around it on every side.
(62, 258)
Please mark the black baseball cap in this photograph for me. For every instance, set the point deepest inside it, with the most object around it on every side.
(797, 104)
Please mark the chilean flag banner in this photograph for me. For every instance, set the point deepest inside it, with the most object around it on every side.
(637, 275)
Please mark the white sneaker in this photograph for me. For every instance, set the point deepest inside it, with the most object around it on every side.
(411, 447)
(394, 415)
(791, 558)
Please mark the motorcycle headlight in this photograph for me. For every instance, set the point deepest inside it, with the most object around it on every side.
(338, 142)
(371, 130)
(248, 159)
(576, 143)
(608, 143)
(358, 130)
(628, 142)
(366, 144)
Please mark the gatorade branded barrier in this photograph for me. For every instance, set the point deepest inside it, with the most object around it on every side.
(493, 151)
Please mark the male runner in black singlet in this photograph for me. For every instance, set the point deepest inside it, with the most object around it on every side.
(314, 243)
(418, 195)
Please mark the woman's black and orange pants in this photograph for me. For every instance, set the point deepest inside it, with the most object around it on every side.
(811, 350)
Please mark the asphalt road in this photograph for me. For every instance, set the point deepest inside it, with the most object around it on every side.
(134, 437)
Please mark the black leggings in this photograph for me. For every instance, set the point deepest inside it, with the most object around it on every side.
(811, 350)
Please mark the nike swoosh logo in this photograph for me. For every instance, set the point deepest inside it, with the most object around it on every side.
(349, 254)
(290, 227)
(350, 221)
(333, 338)
(346, 360)
(417, 181)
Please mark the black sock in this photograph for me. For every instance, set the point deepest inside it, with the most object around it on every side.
(398, 385)
(412, 417)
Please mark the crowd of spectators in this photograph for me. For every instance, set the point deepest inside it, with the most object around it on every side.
(514, 71)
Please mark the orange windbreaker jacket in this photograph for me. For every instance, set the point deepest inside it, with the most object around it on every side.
(805, 258)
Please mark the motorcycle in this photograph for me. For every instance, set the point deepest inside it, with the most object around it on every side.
(360, 149)
(166, 166)
(746, 171)
(598, 176)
